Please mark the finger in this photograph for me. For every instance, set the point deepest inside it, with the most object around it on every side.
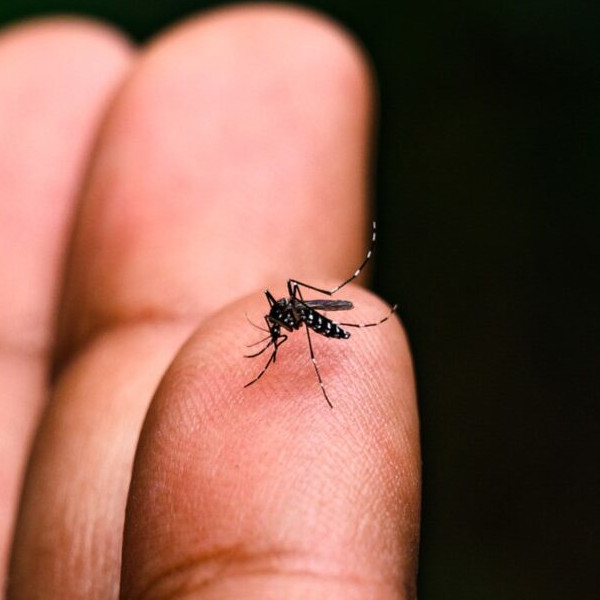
(236, 155)
(178, 218)
(266, 492)
(55, 77)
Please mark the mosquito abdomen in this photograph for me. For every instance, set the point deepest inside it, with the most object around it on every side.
(324, 326)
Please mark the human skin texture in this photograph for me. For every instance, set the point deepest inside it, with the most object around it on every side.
(148, 198)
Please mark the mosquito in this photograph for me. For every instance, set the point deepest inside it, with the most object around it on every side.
(292, 312)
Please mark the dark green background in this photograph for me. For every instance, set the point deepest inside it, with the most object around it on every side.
(488, 206)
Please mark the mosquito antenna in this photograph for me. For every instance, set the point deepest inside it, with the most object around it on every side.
(259, 342)
(255, 325)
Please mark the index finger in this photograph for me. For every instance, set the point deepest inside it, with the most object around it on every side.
(266, 492)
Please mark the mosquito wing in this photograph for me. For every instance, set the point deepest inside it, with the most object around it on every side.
(325, 304)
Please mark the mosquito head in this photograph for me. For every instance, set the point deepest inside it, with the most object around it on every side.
(282, 314)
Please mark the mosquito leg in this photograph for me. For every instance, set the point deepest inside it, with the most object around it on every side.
(296, 294)
(260, 351)
(281, 339)
(270, 298)
(314, 362)
(271, 358)
(393, 309)
(293, 284)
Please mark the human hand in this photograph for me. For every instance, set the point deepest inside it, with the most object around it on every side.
(231, 155)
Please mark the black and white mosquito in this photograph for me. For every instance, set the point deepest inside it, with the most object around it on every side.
(292, 312)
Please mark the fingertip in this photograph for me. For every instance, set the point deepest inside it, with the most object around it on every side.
(57, 76)
(66, 36)
(285, 33)
(258, 475)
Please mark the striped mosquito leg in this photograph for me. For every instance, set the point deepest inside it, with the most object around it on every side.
(293, 283)
(314, 362)
(255, 354)
(272, 358)
(361, 325)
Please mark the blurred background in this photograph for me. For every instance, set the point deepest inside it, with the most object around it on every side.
(487, 189)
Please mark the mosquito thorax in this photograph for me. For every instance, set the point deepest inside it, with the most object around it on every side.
(279, 308)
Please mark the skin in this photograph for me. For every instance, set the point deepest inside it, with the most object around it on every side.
(150, 197)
